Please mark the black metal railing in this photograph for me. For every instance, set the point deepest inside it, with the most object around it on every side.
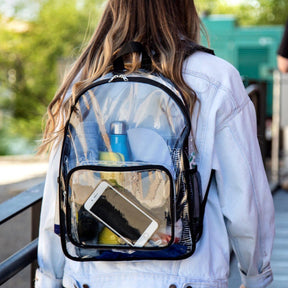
(30, 198)
(257, 94)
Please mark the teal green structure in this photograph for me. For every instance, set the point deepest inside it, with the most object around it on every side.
(252, 50)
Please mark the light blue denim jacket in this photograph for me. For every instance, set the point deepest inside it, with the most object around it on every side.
(239, 210)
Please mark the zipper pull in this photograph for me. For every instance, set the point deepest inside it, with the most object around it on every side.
(121, 76)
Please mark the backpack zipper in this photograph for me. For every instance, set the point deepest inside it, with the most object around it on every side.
(121, 76)
(139, 79)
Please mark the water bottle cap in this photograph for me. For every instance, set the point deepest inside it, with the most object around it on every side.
(118, 127)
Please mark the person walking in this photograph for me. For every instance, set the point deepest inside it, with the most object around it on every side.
(239, 209)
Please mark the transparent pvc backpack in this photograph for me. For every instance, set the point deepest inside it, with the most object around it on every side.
(126, 191)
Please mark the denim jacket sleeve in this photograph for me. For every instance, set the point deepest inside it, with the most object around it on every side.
(244, 193)
(50, 255)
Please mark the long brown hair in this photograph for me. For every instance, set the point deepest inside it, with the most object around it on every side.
(165, 27)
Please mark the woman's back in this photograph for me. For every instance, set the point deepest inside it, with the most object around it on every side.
(239, 207)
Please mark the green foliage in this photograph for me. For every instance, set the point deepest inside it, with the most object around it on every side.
(32, 51)
(30, 58)
(206, 7)
(272, 11)
(248, 12)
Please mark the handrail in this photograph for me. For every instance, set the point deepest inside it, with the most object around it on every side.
(9, 209)
(21, 202)
(18, 261)
(252, 88)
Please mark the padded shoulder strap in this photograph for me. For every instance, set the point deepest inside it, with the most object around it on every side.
(193, 47)
(128, 48)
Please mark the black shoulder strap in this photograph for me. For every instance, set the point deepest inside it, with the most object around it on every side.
(133, 46)
(204, 201)
(197, 222)
(128, 48)
(193, 47)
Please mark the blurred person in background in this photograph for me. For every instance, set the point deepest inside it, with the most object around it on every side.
(282, 57)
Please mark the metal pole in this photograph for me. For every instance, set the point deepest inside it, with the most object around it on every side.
(18, 261)
(34, 234)
(284, 127)
(275, 127)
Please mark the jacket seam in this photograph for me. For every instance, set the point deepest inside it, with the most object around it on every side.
(231, 116)
(228, 95)
(212, 81)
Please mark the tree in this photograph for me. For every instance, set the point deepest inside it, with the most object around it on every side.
(32, 51)
(34, 54)
(249, 12)
(206, 7)
(272, 11)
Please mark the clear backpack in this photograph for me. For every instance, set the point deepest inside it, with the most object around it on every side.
(126, 188)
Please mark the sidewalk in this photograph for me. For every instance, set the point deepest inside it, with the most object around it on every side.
(17, 168)
(18, 173)
(279, 260)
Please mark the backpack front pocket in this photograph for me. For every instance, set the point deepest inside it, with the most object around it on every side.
(120, 207)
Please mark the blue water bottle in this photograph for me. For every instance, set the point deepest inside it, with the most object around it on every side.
(119, 140)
